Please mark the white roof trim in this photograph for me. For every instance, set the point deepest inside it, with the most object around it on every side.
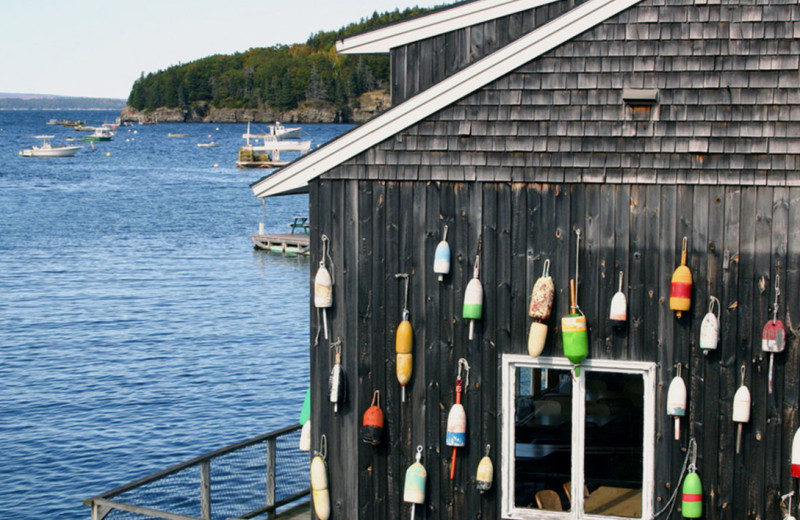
(385, 39)
(295, 176)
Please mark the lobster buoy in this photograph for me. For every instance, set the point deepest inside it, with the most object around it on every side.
(796, 454)
(473, 296)
(773, 336)
(372, 422)
(404, 342)
(336, 382)
(485, 473)
(709, 329)
(541, 305)
(680, 292)
(441, 258)
(305, 437)
(741, 410)
(319, 483)
(457, 420)
(574, 334)
(692, 496)
(323, 287)
(416, 479)
(618, 313)
(676, 401)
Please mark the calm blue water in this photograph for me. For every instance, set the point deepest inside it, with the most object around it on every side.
(138, 327)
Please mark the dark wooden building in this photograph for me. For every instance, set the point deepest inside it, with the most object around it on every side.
(516, 124)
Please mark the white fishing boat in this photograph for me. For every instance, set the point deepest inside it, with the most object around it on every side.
(46, 149)
(212, 144)
(267, 154)
(282, 132)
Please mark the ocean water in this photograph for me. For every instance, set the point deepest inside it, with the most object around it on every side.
(138, 326)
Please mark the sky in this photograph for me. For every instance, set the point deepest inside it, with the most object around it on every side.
(98, 49)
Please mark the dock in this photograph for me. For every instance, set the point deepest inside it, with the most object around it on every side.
(290, 244)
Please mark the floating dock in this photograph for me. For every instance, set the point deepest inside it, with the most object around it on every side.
(290, 244)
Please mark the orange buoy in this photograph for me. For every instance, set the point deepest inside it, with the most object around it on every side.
(373, 421)
(404, 344)
(680, 292)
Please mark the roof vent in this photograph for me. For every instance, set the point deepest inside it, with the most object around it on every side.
(640, 96)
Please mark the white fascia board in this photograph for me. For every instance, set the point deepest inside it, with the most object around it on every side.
(295, 176)
(381, 41)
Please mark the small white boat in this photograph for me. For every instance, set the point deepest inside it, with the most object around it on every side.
(212, 144)
(281, 132)
(46, 149)
(177, 135)
(267, 155)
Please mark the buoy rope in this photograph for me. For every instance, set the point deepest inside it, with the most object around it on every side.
(376, 398)
(742, 372)
(463, 364)
(323, 447)
(444, 235)
(711, 301)
(405, 299)
(777, 293)
(577, 262)
(691, 453)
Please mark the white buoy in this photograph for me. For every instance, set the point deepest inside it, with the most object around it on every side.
(618, 313)
(676, 401)
(305, 437)
(741, 410)
(473, 296)
(336, 382)
(319, 482)
(709, 329)
(416, 480)
(539, 308)
(323, 287)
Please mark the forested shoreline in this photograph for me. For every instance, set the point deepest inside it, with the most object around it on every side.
(281, 78)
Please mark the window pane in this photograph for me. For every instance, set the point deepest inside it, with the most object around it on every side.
(613, 448)
(543, 432)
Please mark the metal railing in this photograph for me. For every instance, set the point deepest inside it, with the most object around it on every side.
(247, 479)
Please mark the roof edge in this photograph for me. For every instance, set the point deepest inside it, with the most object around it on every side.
(547, 37)
(383, 40)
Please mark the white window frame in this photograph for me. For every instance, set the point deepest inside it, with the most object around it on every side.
(510, 362)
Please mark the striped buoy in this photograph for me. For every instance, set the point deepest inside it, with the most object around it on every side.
(709, 329)
(676, 401)
(680, 292)
(473, 295)
(336, 381)
(457, 419)
(485, 473)
(441, 258)
(541, 305)
(372, 422)
(796, 454)
(692, 496)
(319, 482)
(741, 410)
(773, 336)
(416, 479)
(404, 344)
(574, 329)
(323, 287)
(618, 313)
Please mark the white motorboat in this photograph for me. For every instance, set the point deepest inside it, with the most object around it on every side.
(46, 149)
(212, 144)
(282, 132)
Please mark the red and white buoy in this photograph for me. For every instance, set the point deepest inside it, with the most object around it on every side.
(796, 454)
(323, 287)
(709, 329)
(741, 410)
(541, 305)
(457, 419)
(773, 336)
(676, 401)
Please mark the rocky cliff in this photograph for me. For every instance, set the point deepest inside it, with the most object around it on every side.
(369, 105)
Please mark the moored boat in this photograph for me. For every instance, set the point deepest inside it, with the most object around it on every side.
(100, 134)
(267, 154)
(46, 149)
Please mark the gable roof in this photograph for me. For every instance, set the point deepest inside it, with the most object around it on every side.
(383, 40)
(294, 177)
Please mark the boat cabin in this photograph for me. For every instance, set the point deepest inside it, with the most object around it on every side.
(601, 144)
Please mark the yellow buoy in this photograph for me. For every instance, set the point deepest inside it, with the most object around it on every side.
(485, 473)
(403, 345)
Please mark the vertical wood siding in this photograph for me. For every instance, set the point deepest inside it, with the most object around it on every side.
(739, 239)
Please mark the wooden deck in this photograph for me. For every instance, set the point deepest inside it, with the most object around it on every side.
(290, 244)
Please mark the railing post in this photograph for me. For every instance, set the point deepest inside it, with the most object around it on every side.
(205, 490)
(271, 457)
